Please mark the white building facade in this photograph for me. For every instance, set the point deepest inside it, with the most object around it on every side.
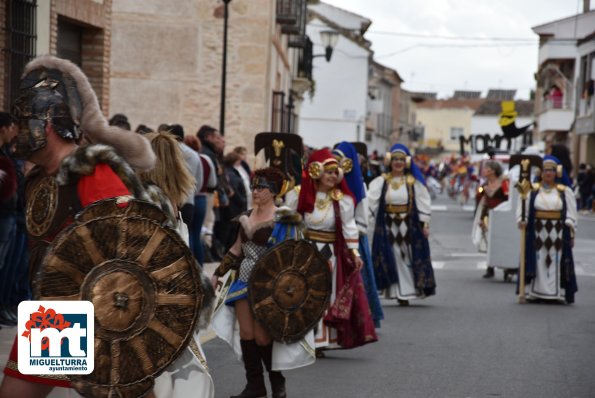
(564, 104)
(338, 107)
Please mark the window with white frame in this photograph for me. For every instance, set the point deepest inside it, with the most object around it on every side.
(456, 132)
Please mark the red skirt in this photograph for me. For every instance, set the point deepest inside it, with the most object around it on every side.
(12, 370)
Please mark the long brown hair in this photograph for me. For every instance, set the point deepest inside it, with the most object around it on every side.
(170, 172)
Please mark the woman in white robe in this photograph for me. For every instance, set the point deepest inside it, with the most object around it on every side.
(327, 206)
(400, 210)
(551, 221)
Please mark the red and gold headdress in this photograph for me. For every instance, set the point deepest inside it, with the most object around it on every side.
(318, 161)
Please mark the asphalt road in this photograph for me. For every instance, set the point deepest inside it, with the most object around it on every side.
(470, 340)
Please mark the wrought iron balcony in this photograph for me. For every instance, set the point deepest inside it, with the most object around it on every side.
(291, 15)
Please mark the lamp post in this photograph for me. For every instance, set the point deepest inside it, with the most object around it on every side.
(224, 67)
(329, 40)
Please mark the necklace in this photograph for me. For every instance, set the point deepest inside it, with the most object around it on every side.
(312, 221)
(323, 203)
(547, 188)
(395, 184)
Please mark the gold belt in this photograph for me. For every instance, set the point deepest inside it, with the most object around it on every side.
(548, 214)
(397, 209)
(320, 236)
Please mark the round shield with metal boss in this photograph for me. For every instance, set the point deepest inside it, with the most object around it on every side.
(144, 284)
(289, 289)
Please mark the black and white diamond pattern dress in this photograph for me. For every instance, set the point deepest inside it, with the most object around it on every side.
(548, 242)
(398, 230)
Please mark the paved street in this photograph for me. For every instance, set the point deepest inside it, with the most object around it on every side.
(471, 340)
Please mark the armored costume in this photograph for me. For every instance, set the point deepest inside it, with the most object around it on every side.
(73, 206)
(400, 208)
(552, 221)
(256, 241)
(330, 225)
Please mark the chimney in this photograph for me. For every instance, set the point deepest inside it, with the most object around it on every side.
(586, 6)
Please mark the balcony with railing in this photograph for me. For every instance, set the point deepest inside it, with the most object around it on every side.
(292, 15)
(558, 102)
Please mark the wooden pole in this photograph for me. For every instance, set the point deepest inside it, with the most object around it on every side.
(522, 298)
(524, 187)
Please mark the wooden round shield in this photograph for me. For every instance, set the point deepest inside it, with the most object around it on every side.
(289, 289)
(145, 287)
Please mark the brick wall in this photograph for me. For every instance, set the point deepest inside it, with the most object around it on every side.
(96, 40)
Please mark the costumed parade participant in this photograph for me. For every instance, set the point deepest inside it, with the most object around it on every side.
(170, 183)
(550, 229)
(75, 194)
(493, 192)
(252, 341)
(400, 209)
(327, 206)
(348, 158)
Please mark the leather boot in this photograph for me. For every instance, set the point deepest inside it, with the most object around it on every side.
(489, 272)
(255, 387)
(276, 378)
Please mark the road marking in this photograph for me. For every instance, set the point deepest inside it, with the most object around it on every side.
(581, 271)
(454, 265)
(466, 254)
(466, 208)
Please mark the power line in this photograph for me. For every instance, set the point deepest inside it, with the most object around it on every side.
(430, 36)
(455, 46)
(470, 38)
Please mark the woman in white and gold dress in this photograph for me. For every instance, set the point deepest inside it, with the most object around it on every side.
(551, 223)
(400, 209)
(327, 206)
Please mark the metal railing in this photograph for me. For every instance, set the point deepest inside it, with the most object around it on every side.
(305, 60)
(21, 28)
(283, 114)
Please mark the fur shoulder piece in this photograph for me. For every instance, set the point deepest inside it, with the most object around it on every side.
(84, 159)
(249, 228)
(285, 215)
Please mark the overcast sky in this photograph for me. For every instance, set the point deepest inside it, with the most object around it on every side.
(443, 65)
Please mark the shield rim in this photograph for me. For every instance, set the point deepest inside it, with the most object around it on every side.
(82, 383)
(272, 332)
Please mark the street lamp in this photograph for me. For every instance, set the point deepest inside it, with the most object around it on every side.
(224, 67)
(329, 40)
